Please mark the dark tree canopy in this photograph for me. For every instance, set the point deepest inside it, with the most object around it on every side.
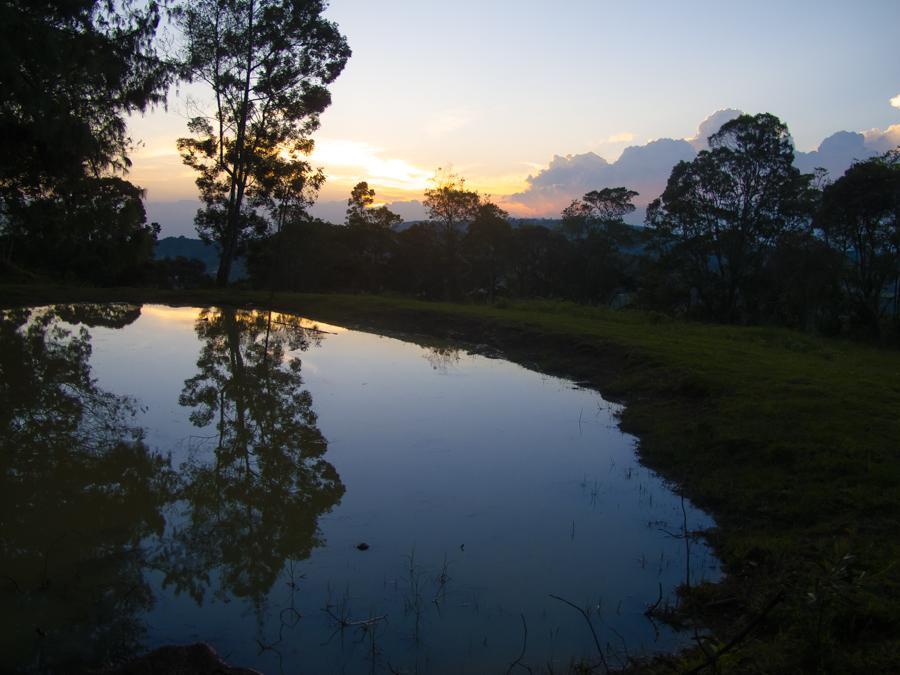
(450, 207)
(70, 70)
(449, 204)
(860, 215)
(487, 247)
(368, 238)
(598, 208)
(725, 209)
(268, 64)
(362, 213)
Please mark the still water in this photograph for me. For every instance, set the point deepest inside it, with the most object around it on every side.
(175, 475)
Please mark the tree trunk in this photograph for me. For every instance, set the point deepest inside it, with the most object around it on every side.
(226, 258)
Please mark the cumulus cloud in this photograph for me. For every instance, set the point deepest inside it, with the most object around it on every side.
(711, 125)
(896, 101)
(882, 140)
(644, 168)
(837, 152)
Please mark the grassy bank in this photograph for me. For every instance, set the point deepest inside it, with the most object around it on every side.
(791, 441)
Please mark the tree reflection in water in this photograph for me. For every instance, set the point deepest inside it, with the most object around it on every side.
(442, 358)
(254, 498)
(80, 493)
(82, 498)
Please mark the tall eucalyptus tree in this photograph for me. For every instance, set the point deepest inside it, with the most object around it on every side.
(268, 64)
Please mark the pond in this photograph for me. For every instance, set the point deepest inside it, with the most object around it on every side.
(311, 499)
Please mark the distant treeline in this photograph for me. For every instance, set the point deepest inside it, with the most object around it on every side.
(738, 235)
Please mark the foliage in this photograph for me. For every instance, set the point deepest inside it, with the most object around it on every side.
(860, 216)
(306, 255)
(369, 238)
(93, 229)
(486, 246)
(70, 71)
(361, 213)
(451, 207)
(721, 213)
(268, 64)
(598, 209)
(449, 204)
(600, 265)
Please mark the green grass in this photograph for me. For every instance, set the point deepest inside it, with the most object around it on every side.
(791, 441)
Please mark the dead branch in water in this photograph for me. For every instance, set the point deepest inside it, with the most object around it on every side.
(590, 625)
(518, 661)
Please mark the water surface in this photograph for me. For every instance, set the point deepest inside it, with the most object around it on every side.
(174, 475)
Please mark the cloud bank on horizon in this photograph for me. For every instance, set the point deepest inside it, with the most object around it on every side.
(646, 168)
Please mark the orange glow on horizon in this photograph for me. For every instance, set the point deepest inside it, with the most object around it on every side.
(497, 188)
(191, 314)
(171, 314)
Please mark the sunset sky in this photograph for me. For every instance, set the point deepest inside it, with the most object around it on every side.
(496, 89)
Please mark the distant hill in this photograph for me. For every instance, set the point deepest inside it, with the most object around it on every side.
(549, 223)
(208, 254)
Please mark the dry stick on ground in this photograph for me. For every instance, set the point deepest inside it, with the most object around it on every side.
(518, 661)
(590, 625)
(737, 639)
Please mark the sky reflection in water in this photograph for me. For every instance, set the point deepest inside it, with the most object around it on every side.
(480, 488)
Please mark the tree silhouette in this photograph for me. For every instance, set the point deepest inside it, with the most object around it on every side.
(451, 207)
(361, 212)
(268, 63)
(369, 238)
(860, 215)
(723, 211)
(255, 503)
(597, 209)
(71, 70)
(488, 246)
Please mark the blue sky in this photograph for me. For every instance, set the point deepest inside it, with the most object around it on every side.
(497, 89)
